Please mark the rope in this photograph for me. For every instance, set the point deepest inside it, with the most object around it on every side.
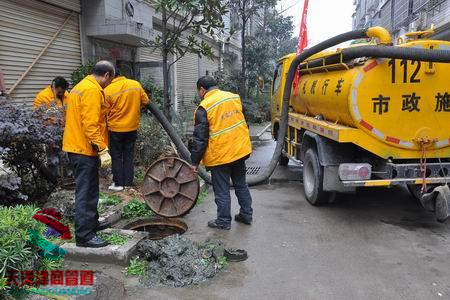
(423, 167)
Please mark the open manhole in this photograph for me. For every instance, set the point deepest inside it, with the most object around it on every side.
(158, 227)
(253, 170)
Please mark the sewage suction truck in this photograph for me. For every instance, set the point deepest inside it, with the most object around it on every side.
(361, 118)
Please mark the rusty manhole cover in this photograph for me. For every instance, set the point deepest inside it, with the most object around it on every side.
(170, 187)
(158, 227)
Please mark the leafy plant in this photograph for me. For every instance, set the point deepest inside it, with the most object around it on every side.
(110, 200)
(154, 91)
(201, 197)
(27, 138)
(222, 261)
(182, 22)
(82, 71)
(151, 142)
(135, 208)
(137, 267)
(16, 250)
(115, 238)
(139, 175)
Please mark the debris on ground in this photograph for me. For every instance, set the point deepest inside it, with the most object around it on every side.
(176, 261)
(63, 201)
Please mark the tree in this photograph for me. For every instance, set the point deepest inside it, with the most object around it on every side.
(246, 9)
(270, 43)
(182, 21)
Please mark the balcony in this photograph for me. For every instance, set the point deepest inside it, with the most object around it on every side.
(118, 21)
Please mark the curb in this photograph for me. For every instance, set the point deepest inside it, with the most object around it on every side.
(259, 134)
(111, 254)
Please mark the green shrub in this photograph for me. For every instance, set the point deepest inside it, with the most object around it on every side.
(257, 108)
(16, 250)
(137, 267)
(82, 71)
(152, 141)
(135, 208)
(114, 238)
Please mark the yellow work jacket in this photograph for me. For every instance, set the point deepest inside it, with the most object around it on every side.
(125, 98)
(46, 97)
(85, 119)
(229, 137)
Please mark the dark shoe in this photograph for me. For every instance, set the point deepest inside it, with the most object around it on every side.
(214, 224)
(102, 225)
(239, 218)
(95, 242)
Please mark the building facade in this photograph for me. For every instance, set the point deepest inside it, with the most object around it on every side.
(402, 16)
(42, 39)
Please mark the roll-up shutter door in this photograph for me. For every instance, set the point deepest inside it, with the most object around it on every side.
(187, 76)
(208, 66)
(66, 4)
(26, 28)
(150, 61)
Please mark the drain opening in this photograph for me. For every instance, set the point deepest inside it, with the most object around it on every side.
(157, 227)
(253, 170)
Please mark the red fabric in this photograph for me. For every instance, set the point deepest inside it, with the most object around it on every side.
(302, 42)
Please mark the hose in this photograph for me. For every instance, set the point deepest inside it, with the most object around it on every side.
(363, 51)
(176, 139)
(417, 54)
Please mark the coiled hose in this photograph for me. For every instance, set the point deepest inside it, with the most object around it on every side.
(350, 53)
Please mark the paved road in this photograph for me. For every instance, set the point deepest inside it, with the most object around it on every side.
(379, 244)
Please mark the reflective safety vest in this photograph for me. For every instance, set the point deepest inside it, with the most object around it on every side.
(229, 137)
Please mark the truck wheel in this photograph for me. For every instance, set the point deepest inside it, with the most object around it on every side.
(283, 161)
(313, 180)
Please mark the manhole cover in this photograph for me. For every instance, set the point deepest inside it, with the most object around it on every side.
(253, 170)
(157, 227)
(170, 187)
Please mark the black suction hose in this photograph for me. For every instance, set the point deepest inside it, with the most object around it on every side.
(350, 53)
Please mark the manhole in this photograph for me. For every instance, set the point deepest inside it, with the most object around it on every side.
(158, 227)
(253, 170)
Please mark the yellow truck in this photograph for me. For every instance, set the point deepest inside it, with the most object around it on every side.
(366, 122)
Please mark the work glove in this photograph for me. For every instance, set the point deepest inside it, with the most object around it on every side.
(105, 158)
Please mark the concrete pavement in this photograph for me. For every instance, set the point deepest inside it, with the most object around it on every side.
(379, 244)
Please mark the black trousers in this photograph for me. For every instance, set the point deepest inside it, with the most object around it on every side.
(121, 148)
(220, 177)
(86, 195)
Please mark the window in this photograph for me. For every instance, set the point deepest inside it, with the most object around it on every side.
(277, 77)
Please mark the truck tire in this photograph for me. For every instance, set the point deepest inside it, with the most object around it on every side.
(283, 161)
(313, 180)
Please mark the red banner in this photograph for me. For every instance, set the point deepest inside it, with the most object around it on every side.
(302, 42)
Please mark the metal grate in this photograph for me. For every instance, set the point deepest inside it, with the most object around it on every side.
(253, 170)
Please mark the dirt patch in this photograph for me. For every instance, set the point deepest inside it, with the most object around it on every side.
(63, 201)
(177, 261)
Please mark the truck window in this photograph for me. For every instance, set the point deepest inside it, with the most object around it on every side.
(277, 78)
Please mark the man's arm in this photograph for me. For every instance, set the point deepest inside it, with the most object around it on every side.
(200, 136)
(90, 108)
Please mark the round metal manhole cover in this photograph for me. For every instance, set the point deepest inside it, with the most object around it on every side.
(170, 187)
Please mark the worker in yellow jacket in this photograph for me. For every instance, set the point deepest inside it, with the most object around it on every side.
(85, 141)
(125, 98)
(221, 140)
(54, 94)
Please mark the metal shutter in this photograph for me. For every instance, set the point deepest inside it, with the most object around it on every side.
(67, 4)
(208, 66)
(150, 60)
(187, 76)
(26, 28)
